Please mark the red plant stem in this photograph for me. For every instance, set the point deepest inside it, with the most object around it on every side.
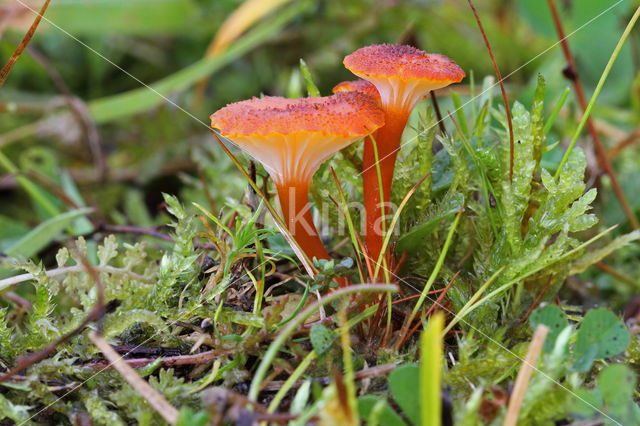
(437, 303)
(535, 302)
(502, 89)
(6, 69)
(387, 140)
(603, 158)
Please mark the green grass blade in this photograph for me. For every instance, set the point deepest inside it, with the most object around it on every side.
(40, 236)
(596, 93)
(430, 371)
(295, 324)
(308, 80)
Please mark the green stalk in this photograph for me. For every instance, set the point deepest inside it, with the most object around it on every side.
(30, 188)
(556, 111)
(430, 371)
(432, 278)
(467, 307)
(291, 380)
(506, 286)
(295, 324)
(347, 361)
(594, 97)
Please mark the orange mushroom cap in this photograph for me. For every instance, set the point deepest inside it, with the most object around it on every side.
(362, 86)
(293, 137)
(403, 74)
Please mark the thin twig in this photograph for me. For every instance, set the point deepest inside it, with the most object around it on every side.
(436, 108)
(78, 109)
(502, 89)
(529, 363)
(17, 279)
(6, 69)
(25, 361)
(535, 302)
(624, 143)
(571, 73)
(153, 397)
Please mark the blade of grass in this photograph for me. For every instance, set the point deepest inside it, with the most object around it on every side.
(587, 112)
(430, 371)
(394, 221)
(240, 20)
(356, 241)
(40, 236)
(35, 192)
(295, 324)
(596, 93)
(556, 111)
(457, 103)
(138, 100)
(308, 80)
(509, 284)
(473, 300)
(347, 362)
(432, 278)
(291, 380)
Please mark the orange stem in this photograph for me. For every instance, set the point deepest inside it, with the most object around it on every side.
(294, 200)
(387, 140)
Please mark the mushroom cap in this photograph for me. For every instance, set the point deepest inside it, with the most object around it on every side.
(349, 114)
(360, 85)
(403, 62)
(402, 74)
(292, 137)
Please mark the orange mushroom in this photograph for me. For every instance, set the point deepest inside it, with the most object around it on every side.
(402, 75)
(292, 138)
(362, 86)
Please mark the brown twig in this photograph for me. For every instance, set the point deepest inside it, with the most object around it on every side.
(618, 275)
(528, 365)
(436, 108)
(535, 302)
(624, 143)
(6, 69)
(502, 89)
(365, 373)
(79, 110)
(571, 73)
(435, 304)
(153, 397)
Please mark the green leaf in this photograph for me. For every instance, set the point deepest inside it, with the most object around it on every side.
(594, 256)
(188, 417)
(44, 233)
(368, 405)
(554, 318)
(617, 383)
(411, 240)
(308, 79)
(322, 338)
(404, 383)
(601, 335)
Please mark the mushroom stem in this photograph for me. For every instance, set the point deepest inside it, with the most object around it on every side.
(387, 140)
(294, 200)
